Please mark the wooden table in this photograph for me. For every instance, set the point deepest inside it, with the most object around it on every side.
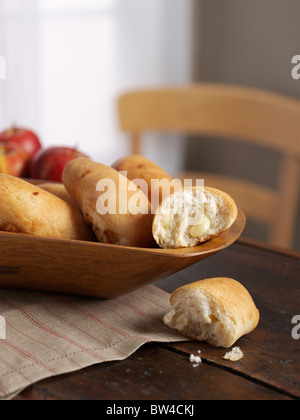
(269, 371)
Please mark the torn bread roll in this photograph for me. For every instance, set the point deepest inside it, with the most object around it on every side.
(26, 208)
(155, 183)
(114, 207)
(218, 311)
(60, 191)
(192, 216)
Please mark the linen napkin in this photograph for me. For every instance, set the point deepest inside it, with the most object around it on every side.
(44, 335)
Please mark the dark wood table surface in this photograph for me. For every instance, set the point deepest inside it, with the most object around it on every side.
(270, 369)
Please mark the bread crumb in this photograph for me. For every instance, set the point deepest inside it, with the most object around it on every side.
(235, 355)
(196, 360)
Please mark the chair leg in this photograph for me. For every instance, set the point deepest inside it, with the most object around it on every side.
(285, 218)
(136, 144)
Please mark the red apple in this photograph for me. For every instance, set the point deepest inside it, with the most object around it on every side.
(49, 164)
(23, 138)
(13, 160)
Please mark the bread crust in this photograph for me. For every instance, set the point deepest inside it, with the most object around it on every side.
(28, 209)
(81, 177)
(229, 297)
(59, 190)
(140, 168)
(160, 233)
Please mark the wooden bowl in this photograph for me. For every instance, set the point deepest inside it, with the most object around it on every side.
(95, 269)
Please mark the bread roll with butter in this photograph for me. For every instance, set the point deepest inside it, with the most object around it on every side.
(218, 311)
(109, 211)
(157, 183)
(192, 216)
(26, 208)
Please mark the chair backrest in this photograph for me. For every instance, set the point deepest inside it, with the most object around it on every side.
(245, 114)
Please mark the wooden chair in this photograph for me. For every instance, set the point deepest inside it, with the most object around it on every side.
(244, 114)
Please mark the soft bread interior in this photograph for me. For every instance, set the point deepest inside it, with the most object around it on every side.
(192, 216)
(196, 314)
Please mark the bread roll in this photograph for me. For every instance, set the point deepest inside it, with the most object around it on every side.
(60, 191)
(108, 201)
(156, 183)
(192, 216)
(219, 311)
(25, 208)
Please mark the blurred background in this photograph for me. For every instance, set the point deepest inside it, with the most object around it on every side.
(68, 61)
